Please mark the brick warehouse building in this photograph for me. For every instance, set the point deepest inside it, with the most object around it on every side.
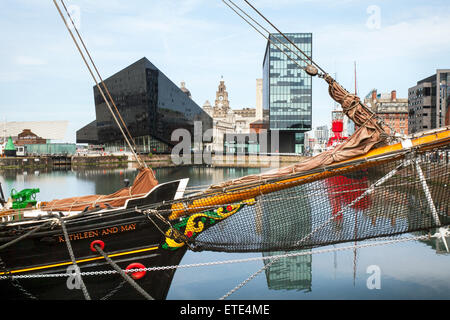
(391, 109)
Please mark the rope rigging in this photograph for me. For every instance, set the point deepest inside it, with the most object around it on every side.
(124, 275)
(128, 138)
(288, 195)
(310, 67)
(267, 37)
(284, 36)
(397, 164)
(72, 258)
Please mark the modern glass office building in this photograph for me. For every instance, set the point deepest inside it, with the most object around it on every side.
(287, 90)
(152, 107)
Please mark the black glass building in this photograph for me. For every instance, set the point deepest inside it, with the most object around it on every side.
(88, 134)
(152, 107)
(287, 90)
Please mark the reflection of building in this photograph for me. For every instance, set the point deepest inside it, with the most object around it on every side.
(292, 273)
(344, 190)
(152, 107)
(380, 213)
(392, 110)
(283, 231)
(287, 90)
(428, 102)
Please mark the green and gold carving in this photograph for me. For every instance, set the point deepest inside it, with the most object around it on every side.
(191, 226)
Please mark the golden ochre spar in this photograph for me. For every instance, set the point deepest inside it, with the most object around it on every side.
(232, 196)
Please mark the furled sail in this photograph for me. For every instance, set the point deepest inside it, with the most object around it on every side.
(143, 183)
(370, 133)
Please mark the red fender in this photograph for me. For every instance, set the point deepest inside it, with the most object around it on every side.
(138, 274)
(99, 242)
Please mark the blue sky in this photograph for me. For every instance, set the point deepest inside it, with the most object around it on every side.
(42, 76)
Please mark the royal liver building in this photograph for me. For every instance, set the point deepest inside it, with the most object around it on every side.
(228, 121)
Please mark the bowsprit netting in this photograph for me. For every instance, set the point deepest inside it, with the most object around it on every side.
(402, 195)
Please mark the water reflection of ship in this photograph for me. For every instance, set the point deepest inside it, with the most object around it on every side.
(343, 190)
(444, 217)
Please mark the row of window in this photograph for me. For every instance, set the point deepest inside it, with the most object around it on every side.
(290, 111)
(145, 144)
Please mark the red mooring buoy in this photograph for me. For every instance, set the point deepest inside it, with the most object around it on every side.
(99, 242)
(138, 274)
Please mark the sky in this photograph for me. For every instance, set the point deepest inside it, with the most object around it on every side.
(394, 43)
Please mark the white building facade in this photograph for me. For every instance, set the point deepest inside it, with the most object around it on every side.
(230, 121)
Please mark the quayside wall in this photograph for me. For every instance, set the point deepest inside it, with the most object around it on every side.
(154, 161)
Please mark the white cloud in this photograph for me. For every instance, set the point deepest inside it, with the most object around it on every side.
(406, 39)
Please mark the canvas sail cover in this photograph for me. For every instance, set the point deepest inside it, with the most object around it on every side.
(143, 183)
(368, 134)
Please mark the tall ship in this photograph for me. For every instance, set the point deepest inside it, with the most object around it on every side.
(135, 237)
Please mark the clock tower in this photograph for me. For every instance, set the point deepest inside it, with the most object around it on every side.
(222, 104)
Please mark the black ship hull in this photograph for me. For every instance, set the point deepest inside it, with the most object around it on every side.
(128, 237)
(100, 285)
